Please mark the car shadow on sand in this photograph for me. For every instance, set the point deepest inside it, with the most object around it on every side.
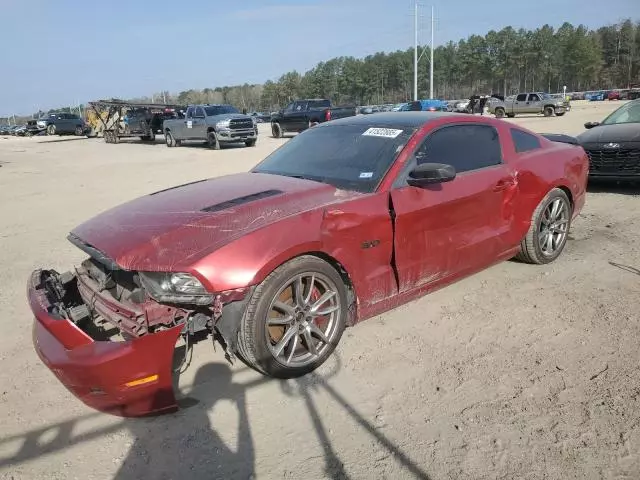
(185, 445)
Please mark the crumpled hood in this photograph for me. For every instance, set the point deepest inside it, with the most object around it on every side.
(624, 132)
(178, 226)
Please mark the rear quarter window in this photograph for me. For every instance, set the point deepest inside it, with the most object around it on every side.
(523, 141)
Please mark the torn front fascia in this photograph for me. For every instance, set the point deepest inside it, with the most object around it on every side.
(232, 306)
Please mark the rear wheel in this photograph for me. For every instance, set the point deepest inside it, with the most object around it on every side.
(547, 235)
(294, 319)
(51, 129)
(276, 130)
(169, 140)
(212, 141)
(548, 111)
(499, 112)
(511, 115)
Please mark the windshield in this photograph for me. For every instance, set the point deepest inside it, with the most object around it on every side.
(349, 157)
(629, 113)
(220, 110)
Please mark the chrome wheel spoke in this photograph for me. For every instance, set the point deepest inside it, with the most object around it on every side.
(307, 297)
(555, 208)
(284, 308)
(279, 321)
(308, 340)
(284, 341)
(321, 301)
(318, 333)
(326, 311)
(294, 345)
(298, 292)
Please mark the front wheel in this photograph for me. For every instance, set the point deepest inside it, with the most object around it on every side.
(548, 111)
(547, 235)
(294, 319)
(251, 143)
(212, 141)
(79, 131)
(51, 129)
(559, 114)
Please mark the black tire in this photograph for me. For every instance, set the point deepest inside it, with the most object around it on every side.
(499, 112)
(251, 143)
(276, 130)
(51, 129)
(548, 111)
(511, 115)
(253, 345)
(115, 138)
(559, 114)
(107, 137)
(79, 131)
(531, 250)
(212, 141)
(169, 140)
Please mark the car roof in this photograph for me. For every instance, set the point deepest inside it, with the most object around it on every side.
(396, 119)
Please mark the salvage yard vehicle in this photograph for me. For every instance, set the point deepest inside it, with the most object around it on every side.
(528, 103)
(215, 124)
(613, 145)
(347, 220)
(303, 114)
(116, 119)
(58, 124)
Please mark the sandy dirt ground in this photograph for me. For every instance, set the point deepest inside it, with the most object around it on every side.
(519, 372)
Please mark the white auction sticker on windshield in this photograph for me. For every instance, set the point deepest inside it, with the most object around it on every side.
(382, 132)
(366, 174)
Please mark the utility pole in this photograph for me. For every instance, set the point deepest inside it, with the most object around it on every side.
(415, 53)
(431, 66)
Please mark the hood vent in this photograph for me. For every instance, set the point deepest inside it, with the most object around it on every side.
(242, 200)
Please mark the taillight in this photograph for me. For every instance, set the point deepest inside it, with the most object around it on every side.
(432, 109)
(327, 115)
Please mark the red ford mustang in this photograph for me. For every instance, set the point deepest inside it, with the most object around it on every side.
(347, 220)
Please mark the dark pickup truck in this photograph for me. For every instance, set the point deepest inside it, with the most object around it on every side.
(215, 124)
(302, 114)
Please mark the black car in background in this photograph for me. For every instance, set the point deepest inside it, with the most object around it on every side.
(613, 145)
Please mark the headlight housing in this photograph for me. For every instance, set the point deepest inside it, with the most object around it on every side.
(223, 124)
(175, 287)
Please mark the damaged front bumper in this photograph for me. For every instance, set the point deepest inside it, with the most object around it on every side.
(126, 378)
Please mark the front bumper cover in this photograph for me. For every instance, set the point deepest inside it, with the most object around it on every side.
(131, 378)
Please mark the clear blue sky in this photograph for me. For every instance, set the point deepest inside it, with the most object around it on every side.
(56, 53)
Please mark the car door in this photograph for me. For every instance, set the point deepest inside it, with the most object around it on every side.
(459, 226)
(520, 103)
(199, 127)
(298, 116)
(534, 103)
(186, 132)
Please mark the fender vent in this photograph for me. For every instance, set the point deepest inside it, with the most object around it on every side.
(242, 200)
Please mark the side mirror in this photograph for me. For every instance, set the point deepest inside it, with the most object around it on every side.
(589, 125)
(430, 173)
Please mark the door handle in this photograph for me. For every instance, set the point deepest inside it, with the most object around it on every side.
(505, 184)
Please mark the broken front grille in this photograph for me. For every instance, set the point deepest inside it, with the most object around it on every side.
(623, 161)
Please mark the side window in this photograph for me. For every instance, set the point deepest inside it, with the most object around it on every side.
(521, 97)
(199, 113)
(523, 141)
(190, 112)
(465, 147)
(533, 97)
(289, 108)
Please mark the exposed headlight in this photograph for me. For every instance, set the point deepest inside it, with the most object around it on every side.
(223, 124)
(175, 288)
